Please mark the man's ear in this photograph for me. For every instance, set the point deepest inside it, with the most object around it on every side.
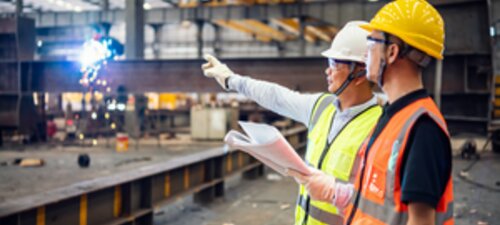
(392, 53)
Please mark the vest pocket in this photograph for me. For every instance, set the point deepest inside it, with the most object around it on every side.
(375, 185)
(340, 163)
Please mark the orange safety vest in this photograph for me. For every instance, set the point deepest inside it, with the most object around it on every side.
(379, 201)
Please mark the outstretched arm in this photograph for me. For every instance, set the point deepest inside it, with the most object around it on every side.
(275, 97)
(272, 96)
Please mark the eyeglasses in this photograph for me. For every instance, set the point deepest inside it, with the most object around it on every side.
(333, 63)
(377, 40)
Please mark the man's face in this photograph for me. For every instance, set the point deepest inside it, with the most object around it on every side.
(375, 55)
(336, 73)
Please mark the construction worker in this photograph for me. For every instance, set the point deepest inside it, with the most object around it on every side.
(338, 121)
(405, 174)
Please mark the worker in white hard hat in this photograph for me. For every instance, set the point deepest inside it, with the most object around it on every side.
(338, 120)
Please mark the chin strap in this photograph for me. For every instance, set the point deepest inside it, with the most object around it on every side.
(380, 76)
(349, 79)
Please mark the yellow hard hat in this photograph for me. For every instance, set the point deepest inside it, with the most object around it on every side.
(416, 22)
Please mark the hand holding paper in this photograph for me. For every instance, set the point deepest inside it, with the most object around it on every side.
(320, 186)
(323, 187)
(266, 144)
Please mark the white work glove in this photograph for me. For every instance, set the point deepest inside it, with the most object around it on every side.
(320, 186)
(219, 71)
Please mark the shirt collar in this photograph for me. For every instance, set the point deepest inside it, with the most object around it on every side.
(354, 110)
(391, 109)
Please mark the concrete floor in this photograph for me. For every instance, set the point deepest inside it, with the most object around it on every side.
(267, 200)
(270, 200)
(262, 201)
(61, 168)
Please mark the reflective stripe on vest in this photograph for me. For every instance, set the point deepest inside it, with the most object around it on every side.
(379, 200)
(336, 159)
(387, 214)
(319, 214)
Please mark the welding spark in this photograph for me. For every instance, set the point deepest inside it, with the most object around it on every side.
(97, 52)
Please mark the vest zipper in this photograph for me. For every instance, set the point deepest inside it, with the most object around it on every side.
(327, 147)
(308, 198)
(362, 175)
(356, 201)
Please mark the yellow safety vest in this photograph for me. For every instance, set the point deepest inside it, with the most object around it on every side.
(336, 158)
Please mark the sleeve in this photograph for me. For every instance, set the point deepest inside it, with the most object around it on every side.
(426, 163)
(276, 98)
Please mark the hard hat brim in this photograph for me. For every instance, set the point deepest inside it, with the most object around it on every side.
(368, 27)
(330, 53)
(371, 28)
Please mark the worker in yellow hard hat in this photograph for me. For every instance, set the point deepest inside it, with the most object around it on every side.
(405, 174)
(338, 120)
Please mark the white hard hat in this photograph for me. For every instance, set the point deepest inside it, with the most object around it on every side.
(349, 44)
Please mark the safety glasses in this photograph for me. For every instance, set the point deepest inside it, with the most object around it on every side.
(333, 63)
(377, 40)
(371, 42)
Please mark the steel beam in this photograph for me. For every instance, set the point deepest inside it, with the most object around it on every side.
(131, 196)
(304, 74)
(232, 12)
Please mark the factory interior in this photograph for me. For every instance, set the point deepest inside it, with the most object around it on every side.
(107, 116)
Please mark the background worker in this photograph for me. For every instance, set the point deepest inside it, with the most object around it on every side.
(338, 121)
(405, 177)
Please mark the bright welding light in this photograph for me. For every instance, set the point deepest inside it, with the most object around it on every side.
(93, 53)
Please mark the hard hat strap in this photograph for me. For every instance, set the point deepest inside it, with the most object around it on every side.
(383, 64)
(352, 76)
(381, 71)
(415, 55)
(419, 57)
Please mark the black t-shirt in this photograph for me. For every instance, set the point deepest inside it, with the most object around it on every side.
(426, 166)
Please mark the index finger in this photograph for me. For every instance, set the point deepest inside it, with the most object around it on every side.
(212, 60)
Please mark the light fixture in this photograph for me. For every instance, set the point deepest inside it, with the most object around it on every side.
(147, 6)
(121, 106)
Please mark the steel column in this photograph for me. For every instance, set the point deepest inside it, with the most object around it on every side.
(134, 19)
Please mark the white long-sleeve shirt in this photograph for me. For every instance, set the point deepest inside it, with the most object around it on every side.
(293, 104)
